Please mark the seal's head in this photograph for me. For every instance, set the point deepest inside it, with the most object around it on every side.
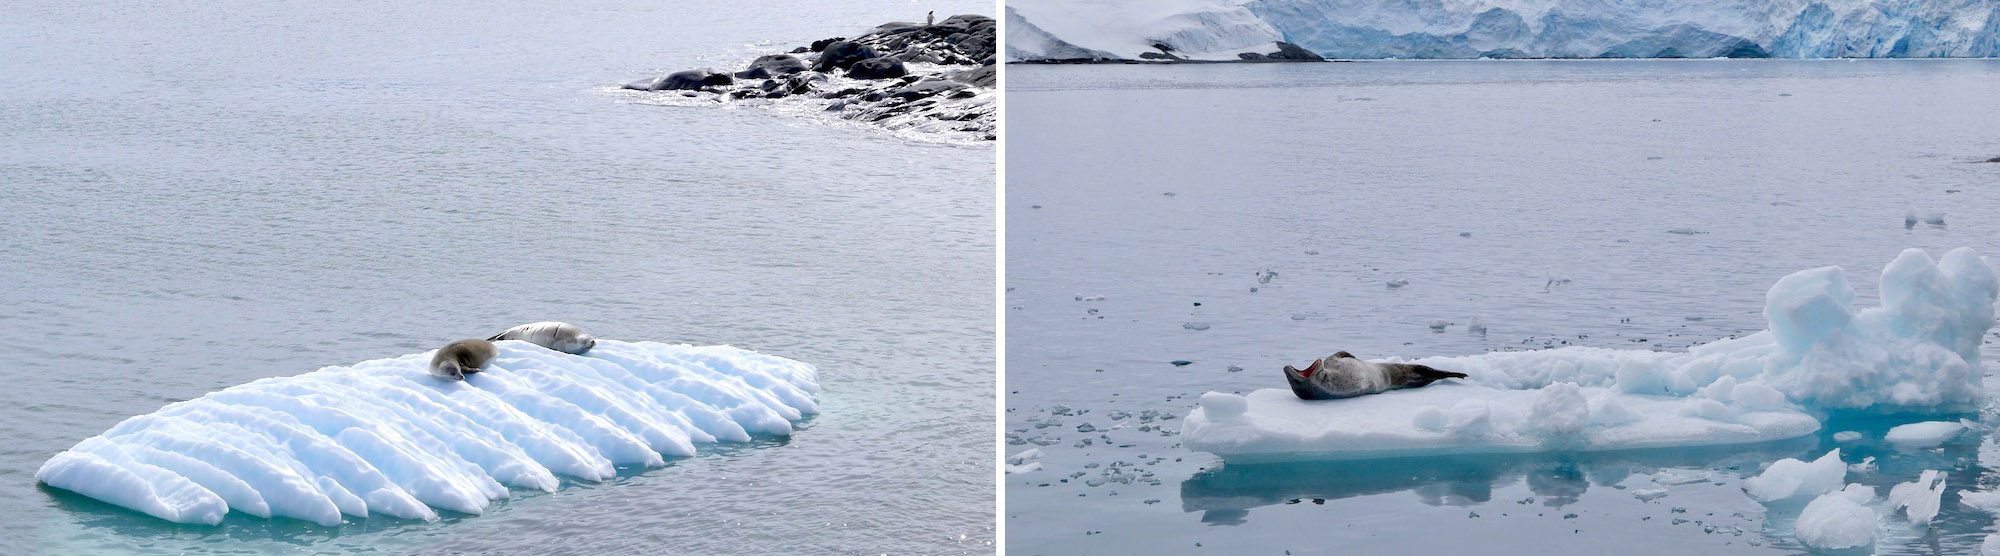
(574, 343)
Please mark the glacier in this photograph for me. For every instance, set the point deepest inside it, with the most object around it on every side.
(1916, 353)
(1365, 29)
(384, 437)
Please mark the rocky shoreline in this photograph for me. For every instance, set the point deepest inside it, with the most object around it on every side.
(1287, 53)
(921, 81)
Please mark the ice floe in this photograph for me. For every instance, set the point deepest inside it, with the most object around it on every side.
(1789, 478)
(384, 437)
(1917, 352)
(1838, 520)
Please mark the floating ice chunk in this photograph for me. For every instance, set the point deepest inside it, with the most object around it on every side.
(1934, 219)
(1928, 433)
(1397, 283)
(1439, 324)
(1677, 476)
(1990, 546)
(1836, 520)
(1918, 352)
(1789, 479)
(1846, 436)
(1082, 297)
(1983, 500)
(384, 437)
(1866, 465)
(1919, 499)
(1195, 326)
(1025, 461)
(1222, 406)
(1478, 326)
(1649, 494)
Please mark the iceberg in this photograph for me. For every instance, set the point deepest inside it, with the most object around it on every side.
(1917, 353)
(1128, 30)
(1529, 28)
(1838, 520)
(384, 437)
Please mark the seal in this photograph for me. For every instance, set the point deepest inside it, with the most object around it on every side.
(559, 336)
(463, 357)
(1344, 376)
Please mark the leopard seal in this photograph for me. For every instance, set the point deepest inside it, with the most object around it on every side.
(559, 336)
(1344, 376)
(463, 357)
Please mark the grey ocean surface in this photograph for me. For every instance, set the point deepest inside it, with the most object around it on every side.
(195, 195)
(1535, 196)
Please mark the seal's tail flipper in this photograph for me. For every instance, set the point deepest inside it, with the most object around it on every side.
(1433, 374)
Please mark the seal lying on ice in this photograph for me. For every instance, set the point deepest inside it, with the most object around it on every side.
(559, 336)
(1344, 376)
(463, 357)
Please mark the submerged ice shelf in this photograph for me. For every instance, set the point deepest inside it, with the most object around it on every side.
(383, 436)
(1918, 352)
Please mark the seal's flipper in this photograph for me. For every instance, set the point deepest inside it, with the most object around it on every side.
(497, 337)
(1432, 375)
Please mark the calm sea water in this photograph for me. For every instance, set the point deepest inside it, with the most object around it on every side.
(195, 195)
(1167, 189)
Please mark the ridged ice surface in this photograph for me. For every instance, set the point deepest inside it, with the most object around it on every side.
(1918, 353)
(384, 437)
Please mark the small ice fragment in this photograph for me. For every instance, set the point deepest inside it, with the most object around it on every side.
(1909, 219)
(1298, 316)
(1465, 234)
(1791, 479)
(1439, 325)
(1025, 461)
(1991, 546)
(1934, 219)
(1867, 465)
(1478, 326)
(1983, 500)
(1266, 275)
(1649, 494)
(1835, 521)
(1685, 231)
(1846, 436)
(1925, 434)
(1082, 297)
(1235, 369)
(1397, 283)
(1677, 476)
(1195, 326)
(1919, 499)
(1312, 252)
(1181, 362)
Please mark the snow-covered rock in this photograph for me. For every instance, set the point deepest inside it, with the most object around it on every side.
(385, 437)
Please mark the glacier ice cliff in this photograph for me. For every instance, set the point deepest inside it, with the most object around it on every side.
(384, 437)
(1917, 353)
(1360, 29)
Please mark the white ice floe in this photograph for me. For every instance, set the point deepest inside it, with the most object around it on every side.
(1789, 479)
(1918, 352)
(1919, 499)
(1846, 436)
(385, 437)
(1025, 461)
(1928, 433)
(1838, 520)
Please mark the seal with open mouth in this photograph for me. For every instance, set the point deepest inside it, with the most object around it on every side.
(1344, 376)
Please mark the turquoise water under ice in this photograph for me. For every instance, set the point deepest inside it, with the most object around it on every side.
(1167, 190)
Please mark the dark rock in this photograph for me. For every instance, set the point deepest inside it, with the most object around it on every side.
(801, 50)
(1295, 53)
(982, 77)
(776, 94)
(877, 68)
(876, 96)
(843, 55)
(1156, 56)
(682, 81)
(1250, 56)
(1994, 159)
(773, 65)
(896, 28)
(769, 85)
(820, 45)
(925, 89)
